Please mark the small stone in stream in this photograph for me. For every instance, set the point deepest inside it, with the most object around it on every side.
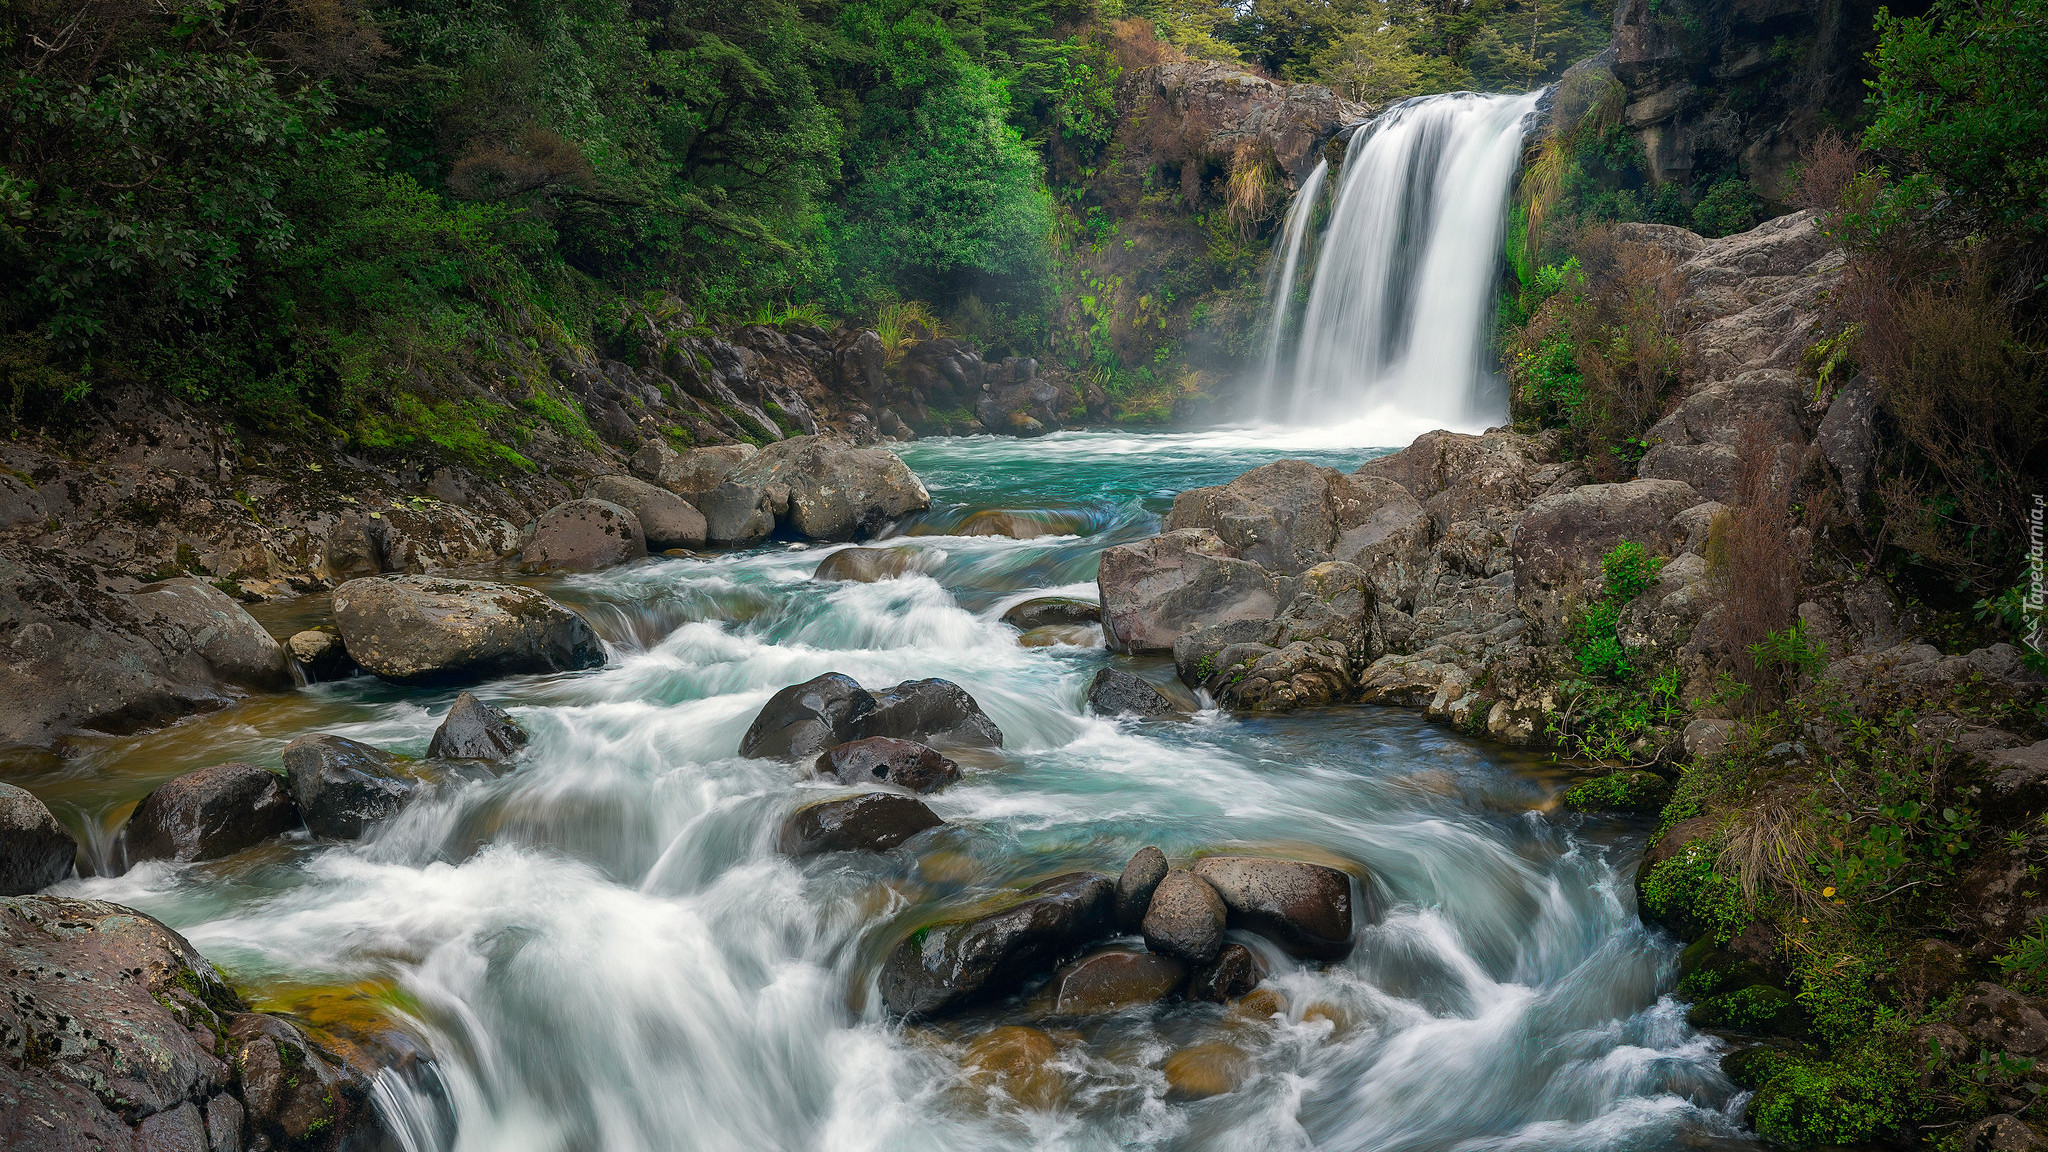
(1235, 972)
(1147, 867)
(804, 719)
(871, 822)
(1047, 611)
(883, 760)
(933, 711)
(1259, 1004)
(583, 536)
(1054, 635)
(35, 850)
(428, 629)
(1116, 692)
(1304, 908)
(1114, 979)
(207, 814)
(952, 964)
(320, 655)
(860, 565)
(1202, 1070)
(474, 730)
(1019, 1061)
(1322, 1010)
(344, 787)
(1184, 919)
(666, 520)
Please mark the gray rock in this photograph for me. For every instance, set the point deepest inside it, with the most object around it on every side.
(1198, 655)
(2002, 1020)
(1134, 888)
(1049, 611)
(666, 519)
(1155, 591)
(884, 760)
(294, 1095)
(428, 629)
(813, 487)
(1285, 516)
(805, 719)
(1115, 692)
(343, 787)
(1185, 918)
(933, 711)
(1697, 443)
(1558, 548)
(946, 966)
(207, 814)
(583, 536)
(870, 822)
(35, 850)
(862, 565)
(320, 655)
(1304, 908)
(1388, 538)
(1304, 674)
(1706, 738)
(474, 730)
(2001, 1133)
(695, 474)
(1235, 972)
(1848, 438)
(207, 625)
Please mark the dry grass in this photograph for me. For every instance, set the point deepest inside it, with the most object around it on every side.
(1136, 44)
(1754, 556)
(542, 158)
(1765, 846)
(1826, 172)
(1253, 189)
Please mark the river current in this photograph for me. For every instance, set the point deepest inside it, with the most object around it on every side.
(603, 951)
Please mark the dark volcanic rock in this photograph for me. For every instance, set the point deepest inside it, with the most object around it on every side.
(1134, 888)
(428, 629)
(207, 814)
(1234, 972)
(950, 965)
(882, 760)
(804, 719)
(137, 1044)
(1050, 610)
(931, 710)
(474, 730)
(583, 536)
(1185, 918)
(871, 822)
(343, 787)
(1115, 692)
(1305, 908)
(1113, 979)
(35, 850)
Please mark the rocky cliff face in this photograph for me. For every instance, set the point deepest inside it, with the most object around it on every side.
(1726, 86)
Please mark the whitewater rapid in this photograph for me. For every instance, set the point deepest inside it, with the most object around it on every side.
(602, 950)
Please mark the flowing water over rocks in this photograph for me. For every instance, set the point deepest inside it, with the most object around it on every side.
(603, 947)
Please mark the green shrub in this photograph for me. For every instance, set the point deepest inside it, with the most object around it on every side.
(1847, 1101)
(1688, 885)
(1634, 791)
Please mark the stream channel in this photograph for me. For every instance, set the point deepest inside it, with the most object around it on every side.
(602, 949)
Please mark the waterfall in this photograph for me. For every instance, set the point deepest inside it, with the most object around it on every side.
(1396, 329)
(1280, 283)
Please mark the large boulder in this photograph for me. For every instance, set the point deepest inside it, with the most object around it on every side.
(950, 965)
(1050, 611)
(430, 629)
(933, 711)
(1697, 443)
(1185, 918)
(870, 822)
(884, 760)
(1234, 973)
(1286, 516)
(208, 626)
(666, 519)
(805, 719)
(1157, 590)
(692, 475)
(207, 814)
(474, 730)
(1304, 674)
(343, 787)
(583, 536)
(138, 1044)
(1304, 908)
(35, 850)
(814, 487)
(1389, 540)
(1560, 543)
(1115, 692)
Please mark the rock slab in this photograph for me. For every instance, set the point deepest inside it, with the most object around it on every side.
(432, 630)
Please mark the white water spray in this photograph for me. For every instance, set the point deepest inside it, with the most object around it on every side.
(1395, 332)
(1280, 286)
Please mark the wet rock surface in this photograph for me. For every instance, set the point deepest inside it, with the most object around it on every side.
(1158, 590)
(474, 730)
(942, 967)
(1114, 979)
(805, 719)
(1233, 974)
(207, 814)
(1304, 908)
(1184, 919)
(427, 629)
(1115, 692)
(937, 711)
(870, 822)
(884, 760)
(1049, 611)
(813, 487)
(344, 788)
(35, 850)
(866, 565)
(1135, 885)
(320, 655)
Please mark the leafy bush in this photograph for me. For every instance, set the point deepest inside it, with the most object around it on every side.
(1689, 885)
(1635, 792)
(1809, 1103)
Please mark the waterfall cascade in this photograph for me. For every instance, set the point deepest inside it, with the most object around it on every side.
(1394, 332)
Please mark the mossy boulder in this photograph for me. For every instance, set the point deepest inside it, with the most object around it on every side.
(1630, 791)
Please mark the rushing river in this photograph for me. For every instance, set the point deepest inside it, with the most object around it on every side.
(604, 952)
